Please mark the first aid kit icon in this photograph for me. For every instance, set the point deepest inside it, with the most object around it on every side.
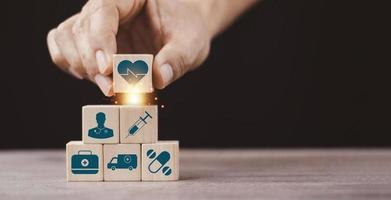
(84, 162)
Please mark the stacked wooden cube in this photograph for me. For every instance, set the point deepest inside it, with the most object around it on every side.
(120, 142)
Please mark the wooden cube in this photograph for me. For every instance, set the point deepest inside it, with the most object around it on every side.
(84, 161)
(160, 161)
(100, 124)
(138, 124)
(122, 162)
(132, 73)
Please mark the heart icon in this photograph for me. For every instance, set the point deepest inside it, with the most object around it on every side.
(132, 72)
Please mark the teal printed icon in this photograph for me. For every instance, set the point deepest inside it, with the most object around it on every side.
(132, 72)
(100, 132)
(123, 161)
(158, 162)
(84, 162)
(139, 124)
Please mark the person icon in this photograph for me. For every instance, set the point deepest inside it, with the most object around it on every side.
(100, 132)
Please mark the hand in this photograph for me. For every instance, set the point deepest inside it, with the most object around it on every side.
(174, 31)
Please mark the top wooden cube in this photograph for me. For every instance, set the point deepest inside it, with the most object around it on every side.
(132, 73)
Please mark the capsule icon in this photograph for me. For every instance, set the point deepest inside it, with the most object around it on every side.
(159, 162)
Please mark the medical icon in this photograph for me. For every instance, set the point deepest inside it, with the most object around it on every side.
(100, 132)
(140, 123)
(132, 72)
(158, 162)
(84, 162)
(123, 161)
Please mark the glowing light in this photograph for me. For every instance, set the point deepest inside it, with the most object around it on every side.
(155, 98)
(162, 106)
(134, 98)
(136, 88)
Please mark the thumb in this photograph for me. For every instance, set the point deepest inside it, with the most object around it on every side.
(172, 62)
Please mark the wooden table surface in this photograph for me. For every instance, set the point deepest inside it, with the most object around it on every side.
(213, 174)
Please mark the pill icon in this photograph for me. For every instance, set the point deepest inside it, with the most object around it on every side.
(166, 170)
(159, 161)
(151, 154)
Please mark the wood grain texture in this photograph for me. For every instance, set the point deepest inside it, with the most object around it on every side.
(77, 148)
(144, 85)
(213, 174)
(157, 168)
(146, 118)
(90, 123)
(115, 173)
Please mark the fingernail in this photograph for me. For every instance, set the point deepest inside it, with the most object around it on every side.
(101, 61)
(75, 73)
(166, 73)
(104, 84)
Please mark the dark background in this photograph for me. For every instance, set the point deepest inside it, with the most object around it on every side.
(312, 73)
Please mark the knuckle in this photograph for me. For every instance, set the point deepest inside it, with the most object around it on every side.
(76, 28)
(55, 54)
(61, 27)
(57, 58)
(79, 26)
(50, 36)
(57, 36)
(62, 38)
(51, 32)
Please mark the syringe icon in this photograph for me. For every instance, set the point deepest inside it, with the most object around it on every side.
(140, 123)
